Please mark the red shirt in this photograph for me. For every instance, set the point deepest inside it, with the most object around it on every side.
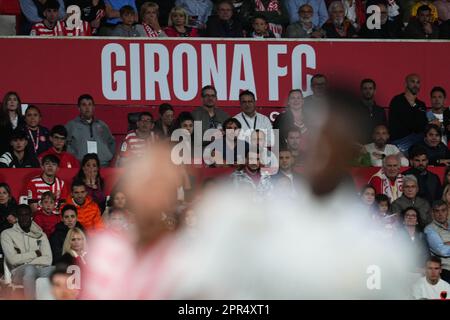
(67, 160)
(46, 221)
(37, 186)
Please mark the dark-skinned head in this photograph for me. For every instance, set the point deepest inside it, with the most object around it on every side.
(24, 217)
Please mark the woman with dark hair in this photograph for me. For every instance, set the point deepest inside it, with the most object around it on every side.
(438, 153)
(412, 236)
(7, 207)
(164, 123)
(10, 118)
(38, 136)
(89, 173)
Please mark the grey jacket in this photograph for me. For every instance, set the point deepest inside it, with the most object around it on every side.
(200, 114)
(420, 204)
(80, 131)
(20, 247)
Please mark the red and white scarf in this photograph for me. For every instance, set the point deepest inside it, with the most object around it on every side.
(273, 5)
(394, 191)
(150, 31)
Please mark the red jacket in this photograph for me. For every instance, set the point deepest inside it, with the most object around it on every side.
(67, 160)
(46, 221)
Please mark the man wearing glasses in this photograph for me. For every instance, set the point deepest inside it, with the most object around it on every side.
(305, 27)
(58, 137)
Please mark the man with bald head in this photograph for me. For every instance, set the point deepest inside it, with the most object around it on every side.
(388, 180)
(407, 115)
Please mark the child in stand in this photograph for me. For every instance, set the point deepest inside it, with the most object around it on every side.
(47, 216)
(260, 28)
(383, 214)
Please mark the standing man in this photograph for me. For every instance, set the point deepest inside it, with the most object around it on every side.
(209, 114)
(89, 135)
(250, 119)
(407, 117)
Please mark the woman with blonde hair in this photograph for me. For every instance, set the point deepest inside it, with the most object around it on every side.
(149, 26)
(178, 24)
(74, 248)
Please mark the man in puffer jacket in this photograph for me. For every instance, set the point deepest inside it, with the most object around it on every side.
(27, 251)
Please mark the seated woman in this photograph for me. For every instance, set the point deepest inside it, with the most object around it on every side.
(178, 24)
(7, 208)
(117, 200)
(149, 26)
(438, 153)
(89, 173)
(10, 118)
(74, 248)
(38, 136)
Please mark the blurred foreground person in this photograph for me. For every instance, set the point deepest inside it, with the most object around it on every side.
(269, 250)
(150, 185)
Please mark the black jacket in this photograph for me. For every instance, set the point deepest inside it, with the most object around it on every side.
(5, 211)
(404, 119)
(373, 117)
(223, 29)
(57, 239)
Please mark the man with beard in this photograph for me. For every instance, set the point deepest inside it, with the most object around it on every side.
(430, 187)
(320, 13)
(375, 114)
(304, 28)
(421, 26)
(379, 148)
(438, 112)
(407, 117)
(338, 26)
(389, 29)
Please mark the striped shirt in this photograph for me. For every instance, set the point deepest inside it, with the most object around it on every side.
(61, 29)
(132, 145)
(37, 186)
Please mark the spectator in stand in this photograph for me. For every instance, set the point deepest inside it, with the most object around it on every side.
(407, 117)
(355, 12)
(438, 114)
(112, 13)
(304, 27)
(178, 24)
(274, 12)
(250, 119)
(8, 207)
(379, 148)
(292, 116)
(184, 121)
(50, 25)
(89, 214)
(47, 181)
(388, 180)
(389, 28)
(164, 7)
(58, 137)
(381, 207)
(209, 114)
(438, 236)
(89, 135)
(127, 28)
(421, 26)
(320, 13)
(92, 11)
(409, 199)
(295, 143)
(37, 135)
(150, 26)
(47, 217)
(375, 114)
(431, 286)
(251, 179)
(430, 187)
(287, 171)
(74, 248)
(10, 119)
(33, 12)
(73, 25)
(443, 8)
(117, 200)
(90, 174)
(164, 124)
(27, 251)
(315, 101)
(338, 25)
(367, 195)
(410, 232)
(260, 29)
(224, 24)
(197, 10)
(60, 280)
(69, 221)
(137, 140)
(438, 153)
(18, 157)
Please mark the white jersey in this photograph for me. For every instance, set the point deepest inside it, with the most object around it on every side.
(422, 289)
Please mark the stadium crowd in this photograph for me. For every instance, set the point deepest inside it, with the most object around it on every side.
(394, 19)
(50, 228)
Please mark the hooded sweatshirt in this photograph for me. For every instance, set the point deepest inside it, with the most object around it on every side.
(20, 247)
(89, 214)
